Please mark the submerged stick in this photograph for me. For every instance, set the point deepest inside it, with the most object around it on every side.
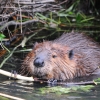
(10, 97)
(82, 83)
(16, 76)
(55, 82)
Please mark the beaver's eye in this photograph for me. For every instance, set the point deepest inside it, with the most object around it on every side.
(54, 56)
(71, 54)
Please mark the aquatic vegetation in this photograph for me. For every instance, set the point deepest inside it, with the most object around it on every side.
(65, 90)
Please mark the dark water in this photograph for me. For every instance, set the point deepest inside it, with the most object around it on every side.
(28, 91)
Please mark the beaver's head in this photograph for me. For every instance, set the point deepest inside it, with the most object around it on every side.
(49, 60)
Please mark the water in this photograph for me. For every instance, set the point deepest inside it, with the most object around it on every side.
(28, 91)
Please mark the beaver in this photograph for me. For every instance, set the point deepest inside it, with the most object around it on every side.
(71, 55)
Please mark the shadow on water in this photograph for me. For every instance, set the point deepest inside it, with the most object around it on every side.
(30, 91)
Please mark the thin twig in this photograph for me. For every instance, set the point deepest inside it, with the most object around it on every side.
(20, 13)
(17, 23)
(27, 39)
(9, 55)
(35, 2)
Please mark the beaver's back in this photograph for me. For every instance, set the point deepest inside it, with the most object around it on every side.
(87, 49)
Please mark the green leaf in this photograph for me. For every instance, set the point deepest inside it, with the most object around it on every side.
(70, 8)
(85, 20)
(78, 18)
(2, 36)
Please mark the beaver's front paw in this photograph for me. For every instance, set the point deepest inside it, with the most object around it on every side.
(52, 81)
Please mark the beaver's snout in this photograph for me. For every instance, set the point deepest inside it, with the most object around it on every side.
(39, 62)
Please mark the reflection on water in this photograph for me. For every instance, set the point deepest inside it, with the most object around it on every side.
(28, 91)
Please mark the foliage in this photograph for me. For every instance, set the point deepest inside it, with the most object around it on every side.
(65, 16)
(2, 36)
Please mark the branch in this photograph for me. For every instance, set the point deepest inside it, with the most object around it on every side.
(11, 97)
(35, 2)
(16, 76)
(63, 83)
(17, 23)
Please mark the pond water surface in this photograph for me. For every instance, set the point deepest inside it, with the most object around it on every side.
(28, 91)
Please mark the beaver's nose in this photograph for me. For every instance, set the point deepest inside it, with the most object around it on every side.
(38, 62)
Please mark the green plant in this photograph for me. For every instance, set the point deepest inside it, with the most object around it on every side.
(2, 36)
(65, 90)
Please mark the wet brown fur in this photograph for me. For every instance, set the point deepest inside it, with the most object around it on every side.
(58, 65)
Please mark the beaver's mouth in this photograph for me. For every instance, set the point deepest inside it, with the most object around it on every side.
(40, 76)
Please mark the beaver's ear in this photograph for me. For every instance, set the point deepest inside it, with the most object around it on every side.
(71, 54)
(35, 44)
